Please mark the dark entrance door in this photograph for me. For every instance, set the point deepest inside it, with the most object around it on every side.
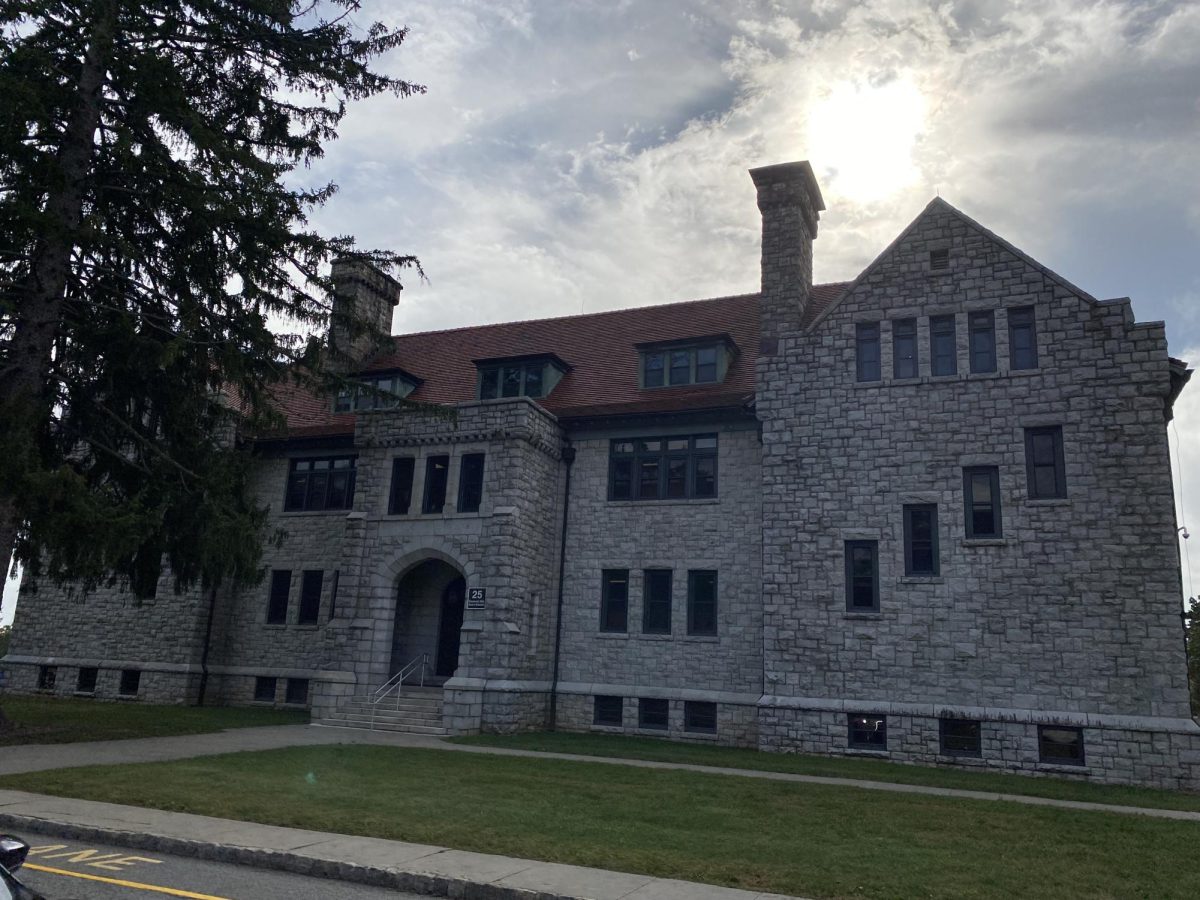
(450, 627)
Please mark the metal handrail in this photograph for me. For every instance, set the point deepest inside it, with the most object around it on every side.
(396, 683)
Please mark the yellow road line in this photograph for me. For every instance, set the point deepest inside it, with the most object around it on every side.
(174, 892)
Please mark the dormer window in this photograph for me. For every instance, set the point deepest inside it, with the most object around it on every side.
(526, 376)
(698, 362)
(375, 391)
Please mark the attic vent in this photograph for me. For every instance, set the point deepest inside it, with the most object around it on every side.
(939, 259)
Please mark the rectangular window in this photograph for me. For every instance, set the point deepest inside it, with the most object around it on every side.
(47, 676)
(981, 333)
(614, 600)
(961, 737)
(608, 710)
(939, 259)
(981, 493)
(533, 378)
(656, 601)
(264, 690)
(867, 732)
(1045, 466)
(277, 602)
(681, 365)
(470, 482)
(86, 682)
(663, 468)
(1022, 338)
(318, 484)
(943, 346)
(862, 575)
(904, 348)
(653, 714)
(702, 602)
(131, 682)
(1060, 744)
(437, 469)
(311, 583)
(866, 342)
(297, 691)
(700, 716)
(400, 492)
(653, 365)
(920, 539)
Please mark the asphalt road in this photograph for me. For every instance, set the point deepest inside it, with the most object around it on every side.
(65, 870)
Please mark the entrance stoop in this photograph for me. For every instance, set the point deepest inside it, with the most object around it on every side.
(416, 710)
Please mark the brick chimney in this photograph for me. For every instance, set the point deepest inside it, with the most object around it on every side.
(791, 204)
(361, 321)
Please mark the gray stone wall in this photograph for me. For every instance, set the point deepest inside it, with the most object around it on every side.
(1076, 608)
(722, 533)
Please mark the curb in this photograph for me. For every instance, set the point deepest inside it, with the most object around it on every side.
(280, 860)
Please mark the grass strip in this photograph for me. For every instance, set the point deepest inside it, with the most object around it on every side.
(660, 750)
(54, 720)
(809, 840)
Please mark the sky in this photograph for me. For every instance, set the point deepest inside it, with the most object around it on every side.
(583, 155)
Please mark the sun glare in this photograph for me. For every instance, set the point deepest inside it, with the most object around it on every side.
(863, 138)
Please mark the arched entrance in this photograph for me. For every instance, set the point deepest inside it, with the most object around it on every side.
(429, 617)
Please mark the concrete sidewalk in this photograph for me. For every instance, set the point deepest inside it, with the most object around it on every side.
(36, 758)
(420, 868)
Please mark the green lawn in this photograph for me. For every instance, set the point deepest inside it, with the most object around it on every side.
(833, 767)
(805, 839)
(50, 720)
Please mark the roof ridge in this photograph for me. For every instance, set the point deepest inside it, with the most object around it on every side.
(605, 312)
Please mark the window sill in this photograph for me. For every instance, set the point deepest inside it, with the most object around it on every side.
(607, 729)
(670, 501)
(863, 615)
(295, 513)
(655, 636)
(83, 693)
(700, 735)
(274, 625)
(613, 635)
(952, 756)
(651, 730)
(701, 638)
(1048, 501)
(308, 626)
(1065, 768)
(984, 542)
(921, 579)
(864, 751)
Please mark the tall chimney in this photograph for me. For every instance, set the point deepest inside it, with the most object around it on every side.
(791, 204)
(361, 320)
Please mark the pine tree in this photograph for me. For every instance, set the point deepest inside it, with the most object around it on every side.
(150, 223)
(1192, 631)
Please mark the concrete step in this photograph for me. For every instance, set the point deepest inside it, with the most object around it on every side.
(382, 717)
(392, 703)
(396, 728)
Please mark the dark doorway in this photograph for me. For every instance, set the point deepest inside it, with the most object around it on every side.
(450, 627)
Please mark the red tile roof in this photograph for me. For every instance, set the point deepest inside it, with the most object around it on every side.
(600, 348)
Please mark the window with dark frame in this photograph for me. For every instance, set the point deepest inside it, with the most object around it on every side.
(333, 592)
(320, 484)
(981, 496)
(862, 576)
(297, 691)
(1060, 744)
(654, 713)
(1045, 464)
(526, 378)
(437, 472)
(866, 732)
(939, 259)
(981, 335)
(264, 690)
(702, 602)
(904, 349)
(470, 482)
(614, 600)
(961, 737)
(867, 357)
(311, 582)
(1022, 338)
(943, 346)
(674, 366)
(700, 716)
(47, 677)
(400, 490)
(608, 710)
(920, 539)
(131, 682)
(374, 392)
(680, 467)
(277, 600)
(656, 601)
(85, 682)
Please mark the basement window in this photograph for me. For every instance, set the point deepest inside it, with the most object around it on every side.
(47, 676)
(867, 732)
(653, 714)
(1061, 745)
(85, 683)
(608, 710)
(131, 682)
(297, 691)
(264, 690)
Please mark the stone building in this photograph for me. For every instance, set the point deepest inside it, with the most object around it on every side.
(926, 515)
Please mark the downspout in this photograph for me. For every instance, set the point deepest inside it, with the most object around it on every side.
(212, 605)
(568, 456)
